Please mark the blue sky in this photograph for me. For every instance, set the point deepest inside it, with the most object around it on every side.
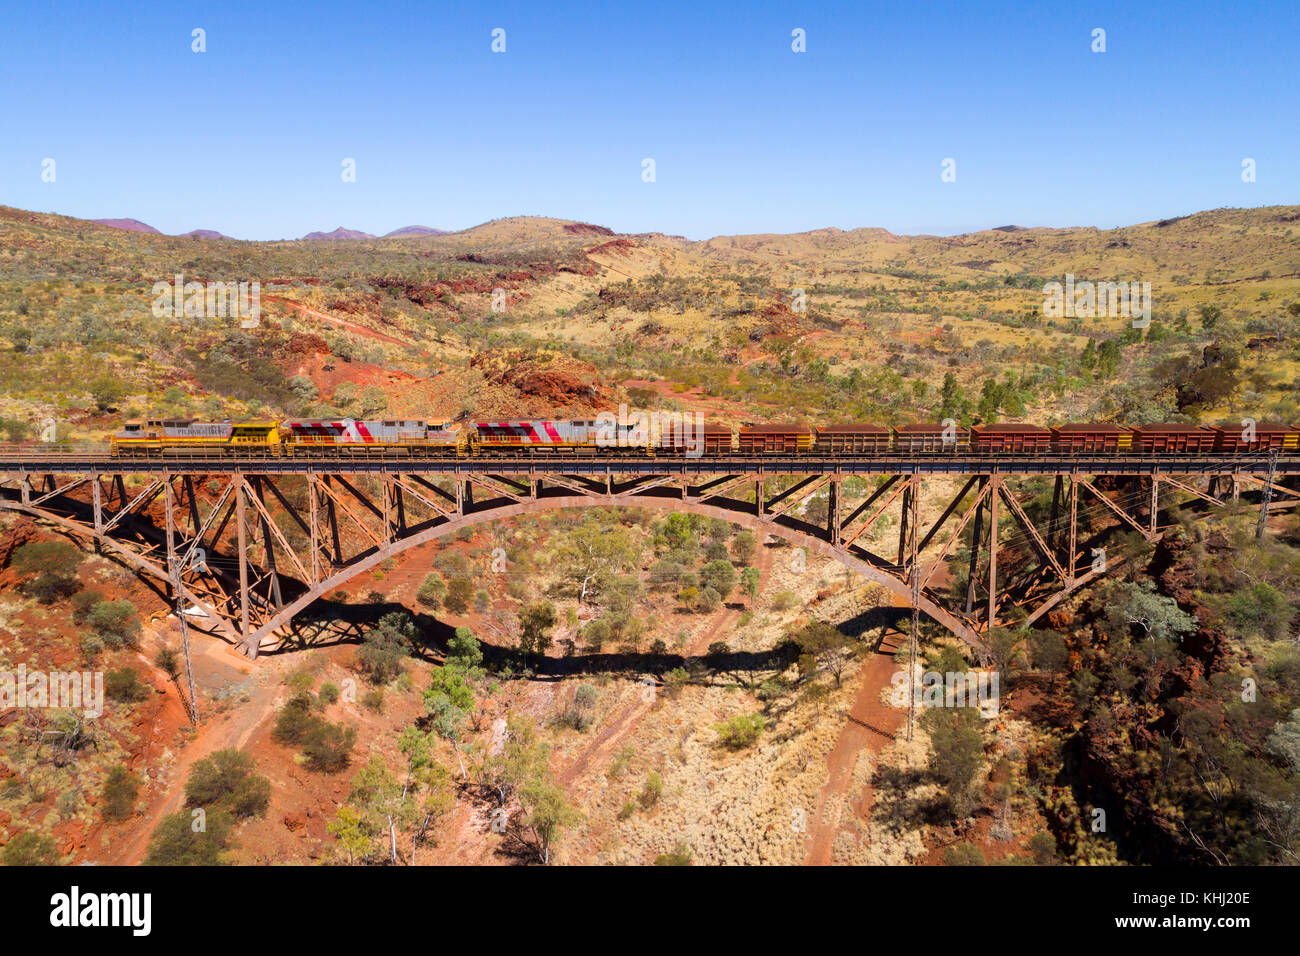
(747, 136)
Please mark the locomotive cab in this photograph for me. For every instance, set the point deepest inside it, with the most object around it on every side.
(255, 433)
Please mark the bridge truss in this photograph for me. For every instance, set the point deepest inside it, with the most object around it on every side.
(244, 545)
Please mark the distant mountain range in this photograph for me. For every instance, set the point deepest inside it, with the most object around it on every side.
(131, 225)
(415, 231)
(135, 225)
(340, 233)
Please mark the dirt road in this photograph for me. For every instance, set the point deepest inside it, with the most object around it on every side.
(870, 726)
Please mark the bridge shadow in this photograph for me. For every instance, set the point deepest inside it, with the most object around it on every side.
(331, 624)
(328, 623)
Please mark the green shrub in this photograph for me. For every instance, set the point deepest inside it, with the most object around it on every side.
(82, 604)
(385, 647)
(329, 692)
(91, 646)
(651, 790)
(1261, 609)
(460, 590)
(124, 685)
(59, 556)
(741, 730)
(300, 680)
(175, 842)
(328, 747)
(963, 854)
(115, 622)
(432, 591)
(225, 780)
(680, 855)
(295, 720)
(31, 848)
(50, 586)
(119, 794)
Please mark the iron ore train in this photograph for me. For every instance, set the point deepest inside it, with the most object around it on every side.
(680, 437)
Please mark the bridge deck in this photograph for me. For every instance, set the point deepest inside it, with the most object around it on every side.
(72, 460)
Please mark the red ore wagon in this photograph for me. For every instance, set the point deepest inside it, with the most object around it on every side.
(1260, 437)
(1010, 438)
(775, 439)
(1092, 438)
(852, 440)
(678, 437)
(1161, 439)
(925, 438)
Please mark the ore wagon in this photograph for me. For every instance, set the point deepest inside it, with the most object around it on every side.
(1010, 438)
(1165, 439)
(852, 440)
(1094, 438)
(930, 437)
(775, 440)
(1261, 437)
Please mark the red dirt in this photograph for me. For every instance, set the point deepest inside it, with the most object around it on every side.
(361, 330)
(870, 725)
(587, 229)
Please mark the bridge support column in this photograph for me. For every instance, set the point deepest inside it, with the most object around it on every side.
(241, 530)
(1074, 531)
(178, 599)
(1155, 502)
(833, 511)
(994, 495)
(911, 511)
(976, 542)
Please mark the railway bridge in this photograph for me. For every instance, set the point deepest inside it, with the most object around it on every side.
(244, 543)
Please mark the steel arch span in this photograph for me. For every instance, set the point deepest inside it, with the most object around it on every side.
(247, 550)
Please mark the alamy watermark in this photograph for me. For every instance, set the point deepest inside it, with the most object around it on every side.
(63, 690)
(977, 689)
(208, 300)
(1087, 300)
(637, 429)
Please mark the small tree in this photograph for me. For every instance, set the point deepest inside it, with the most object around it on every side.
(956, 753)
(460, 591)
(464, 651)
(749, 579)
(351, 829)
(743, 547)
(385, 647)
(824, 645)
(1050, 652)
(720, 576)
(107, 390)
(547, 812)
(535, 623)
